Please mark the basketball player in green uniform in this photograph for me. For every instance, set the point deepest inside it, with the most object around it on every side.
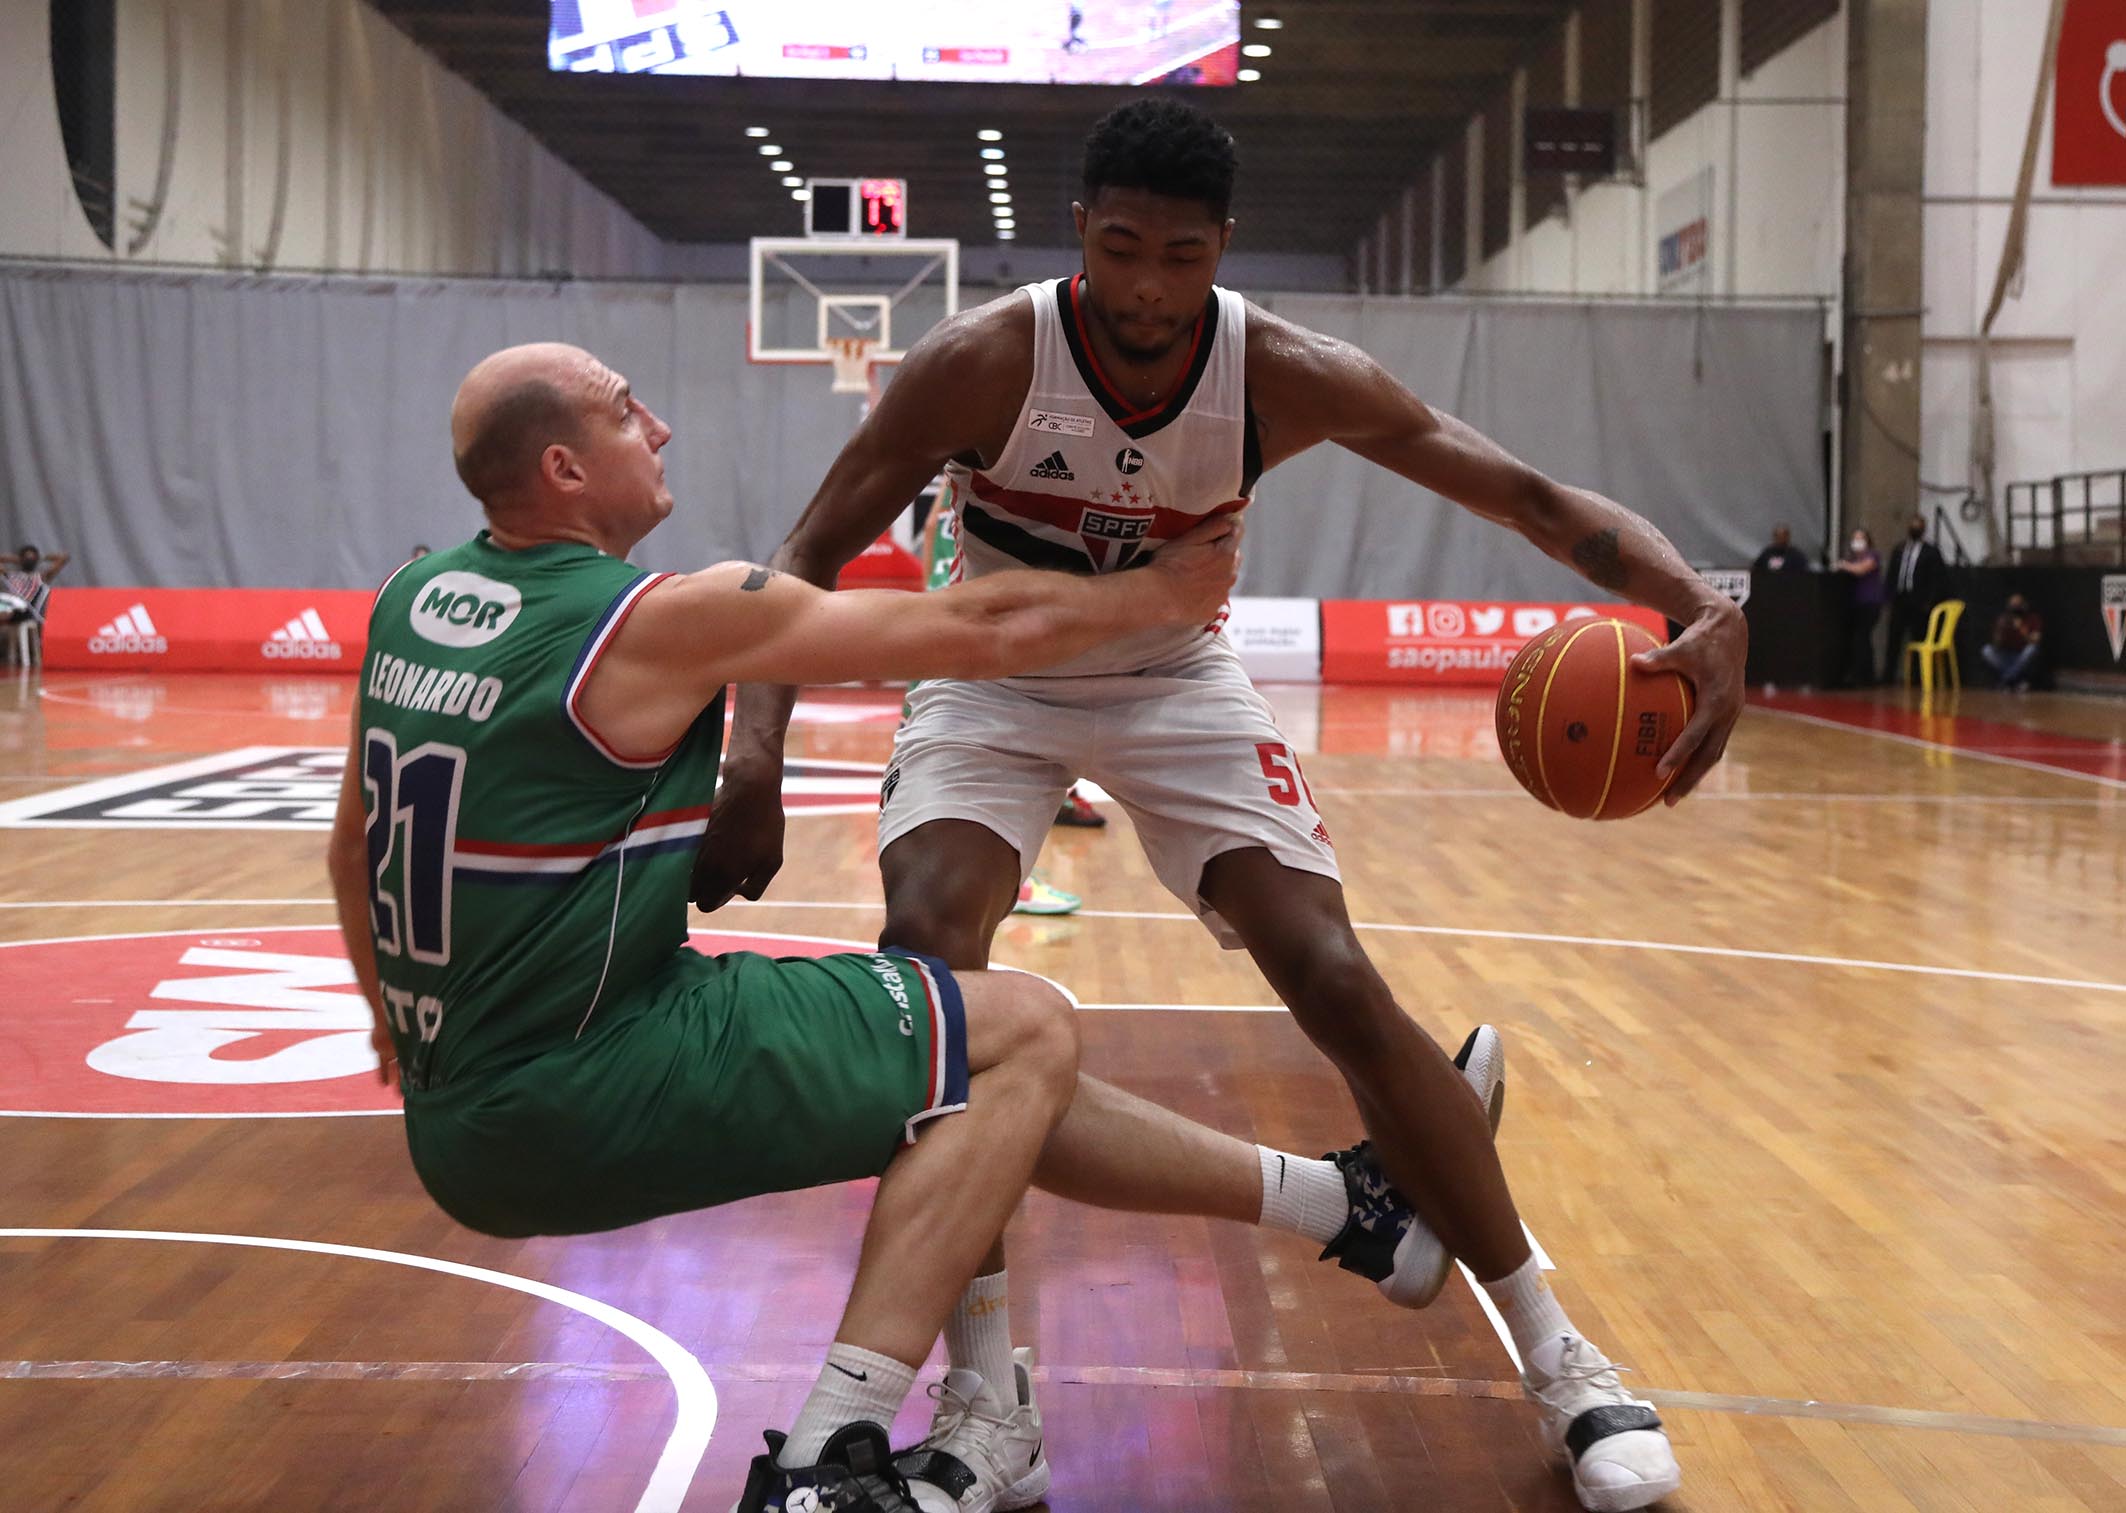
(535, 748)
(1079, 423)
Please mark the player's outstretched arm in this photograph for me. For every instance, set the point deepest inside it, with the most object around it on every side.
(1309, 388)
(957, 389)
(736, 622)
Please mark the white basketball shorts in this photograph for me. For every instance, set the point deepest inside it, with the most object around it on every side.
(1189, 750)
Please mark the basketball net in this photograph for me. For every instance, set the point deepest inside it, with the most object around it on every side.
(851, 356)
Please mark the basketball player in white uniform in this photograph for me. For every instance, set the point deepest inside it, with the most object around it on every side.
(1081, 423)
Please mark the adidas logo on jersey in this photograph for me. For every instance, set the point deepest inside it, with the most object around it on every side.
(304, 637)
(1052, 466)
(132, 632)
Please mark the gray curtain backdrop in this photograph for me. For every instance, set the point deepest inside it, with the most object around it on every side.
(214, 431)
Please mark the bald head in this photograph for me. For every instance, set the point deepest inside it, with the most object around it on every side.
(512, 407)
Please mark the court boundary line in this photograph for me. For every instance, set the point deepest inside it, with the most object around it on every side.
(694, 1395)
(1197, 1378)
(1604, 942)
(1458, 932)
(1923, 744)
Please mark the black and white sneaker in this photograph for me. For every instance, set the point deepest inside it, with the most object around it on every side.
(980, 1457)
(854, 1475)
(1619, 1454)
(1384, 1239)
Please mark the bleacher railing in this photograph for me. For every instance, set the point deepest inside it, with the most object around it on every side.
(2075, 517)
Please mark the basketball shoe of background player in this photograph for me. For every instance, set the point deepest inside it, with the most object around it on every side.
(855, 1474)
(1384, 1239)
(1037, 895)
(1078, 812)
(976, 1458)
(1614, 1443)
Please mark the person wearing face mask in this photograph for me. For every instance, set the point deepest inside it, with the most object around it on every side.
(1863, 565)
(1915, 581)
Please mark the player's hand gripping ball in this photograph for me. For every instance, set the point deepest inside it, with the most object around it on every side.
(1581, 728)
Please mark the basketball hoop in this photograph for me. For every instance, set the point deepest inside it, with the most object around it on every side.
(851, 356)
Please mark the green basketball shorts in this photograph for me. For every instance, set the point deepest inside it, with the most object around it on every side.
(715, 1079)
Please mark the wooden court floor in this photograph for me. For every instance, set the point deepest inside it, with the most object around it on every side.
(1816, 1089)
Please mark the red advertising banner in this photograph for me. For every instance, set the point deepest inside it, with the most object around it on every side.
(1443, 641)
(208, 629)
(2089, 95)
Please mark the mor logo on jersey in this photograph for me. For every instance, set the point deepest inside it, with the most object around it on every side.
(298, 788)
(1129, 460)
(216, 1023)
(1052, 466)
(463, 609)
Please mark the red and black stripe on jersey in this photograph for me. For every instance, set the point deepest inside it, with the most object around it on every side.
(1000, 517)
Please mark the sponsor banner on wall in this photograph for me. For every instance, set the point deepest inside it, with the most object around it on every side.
(1279, 640)
(1444, 641)
(207, 629)
(1683, 236)
(1732, 582)
(2089, 95)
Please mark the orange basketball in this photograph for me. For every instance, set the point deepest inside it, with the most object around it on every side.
(1581, 728)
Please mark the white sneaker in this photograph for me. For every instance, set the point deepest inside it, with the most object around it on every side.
(1619, 1456)
(977, 1457)
(1384, 1238)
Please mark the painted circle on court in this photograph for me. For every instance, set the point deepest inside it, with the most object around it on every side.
(214, 1023)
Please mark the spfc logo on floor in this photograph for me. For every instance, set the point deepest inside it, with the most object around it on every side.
(298, 788)
(221, 1023)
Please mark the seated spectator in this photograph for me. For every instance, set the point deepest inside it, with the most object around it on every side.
(27, 582)
(1782, 556)
(2013, 651)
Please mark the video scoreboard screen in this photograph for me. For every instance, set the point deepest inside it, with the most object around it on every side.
(939, 41)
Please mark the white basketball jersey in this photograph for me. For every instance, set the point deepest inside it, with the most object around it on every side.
(1089, 483)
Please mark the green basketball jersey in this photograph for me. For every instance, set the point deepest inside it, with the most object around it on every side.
(521, 872)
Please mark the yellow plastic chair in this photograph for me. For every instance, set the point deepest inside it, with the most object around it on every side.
(1940, 641)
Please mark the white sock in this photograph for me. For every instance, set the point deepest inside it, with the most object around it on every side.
(978, 1336)
(1529, 1307)
(854, 1386)
(1302, 1197)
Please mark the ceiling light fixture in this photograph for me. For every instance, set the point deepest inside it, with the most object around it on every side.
(1268, 24)
(994, 154)
(756, 131)
(793, 182)
(1000, 199)
(1257, 50)
(995, 170)
(1249, 75)
(800, 194)
(770, 150)
(989, 134)
(781, 165)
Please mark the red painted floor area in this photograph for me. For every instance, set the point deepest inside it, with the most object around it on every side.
(2022, 744)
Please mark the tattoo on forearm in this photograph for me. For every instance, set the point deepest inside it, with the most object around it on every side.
(761, 577)
(1600, 559)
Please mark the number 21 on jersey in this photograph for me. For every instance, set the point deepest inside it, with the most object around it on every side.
(412, 804)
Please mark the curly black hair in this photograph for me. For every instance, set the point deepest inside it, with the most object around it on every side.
(1166, 147)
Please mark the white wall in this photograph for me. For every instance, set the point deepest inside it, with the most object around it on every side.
(1776, 145)
(309, 134)
(2059, 357)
